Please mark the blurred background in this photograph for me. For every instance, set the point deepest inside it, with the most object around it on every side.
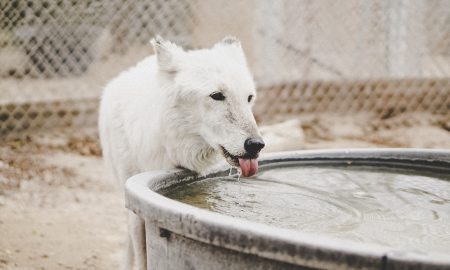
(329, 74)
(307, 56)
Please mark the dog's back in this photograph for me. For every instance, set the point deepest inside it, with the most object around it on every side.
(128, 109)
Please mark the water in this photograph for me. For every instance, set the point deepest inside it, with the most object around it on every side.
(399, 209)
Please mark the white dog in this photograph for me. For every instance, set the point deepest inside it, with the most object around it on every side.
(179, 109)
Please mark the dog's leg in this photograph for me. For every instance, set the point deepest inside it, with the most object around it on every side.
(127, 263)
(136, 231)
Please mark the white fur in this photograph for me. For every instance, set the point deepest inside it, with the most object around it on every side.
(159, 115)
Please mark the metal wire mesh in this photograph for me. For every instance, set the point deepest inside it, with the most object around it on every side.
(307, 56)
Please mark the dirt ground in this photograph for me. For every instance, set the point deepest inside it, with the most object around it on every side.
(58, 209)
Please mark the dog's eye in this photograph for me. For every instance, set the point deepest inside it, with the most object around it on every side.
(217, 96)
(250, 98)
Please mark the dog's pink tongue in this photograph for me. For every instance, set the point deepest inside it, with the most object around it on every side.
(248, 166)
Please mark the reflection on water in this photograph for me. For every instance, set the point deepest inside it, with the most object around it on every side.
(399, 209)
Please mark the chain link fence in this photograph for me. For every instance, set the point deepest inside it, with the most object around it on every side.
(383, 57)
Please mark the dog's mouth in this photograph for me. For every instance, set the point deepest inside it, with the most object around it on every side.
(248, 164)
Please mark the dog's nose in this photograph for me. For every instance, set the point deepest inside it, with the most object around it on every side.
(254, 145)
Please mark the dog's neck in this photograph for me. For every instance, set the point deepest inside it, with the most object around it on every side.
(190, 151)
(184, 146)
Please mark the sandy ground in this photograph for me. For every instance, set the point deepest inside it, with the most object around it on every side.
(58, 209)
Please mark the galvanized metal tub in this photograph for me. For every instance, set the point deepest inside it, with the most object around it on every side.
(180, 236)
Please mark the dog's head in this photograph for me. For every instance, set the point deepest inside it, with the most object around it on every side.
(215, 91)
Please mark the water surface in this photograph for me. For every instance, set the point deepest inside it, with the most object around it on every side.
(401, 208)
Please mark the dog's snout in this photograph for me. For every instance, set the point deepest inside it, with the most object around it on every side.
(254, 145)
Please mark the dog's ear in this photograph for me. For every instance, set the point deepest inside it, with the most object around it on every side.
(168, 54)
(232, 46)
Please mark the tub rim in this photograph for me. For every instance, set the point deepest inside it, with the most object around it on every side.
(276, 243)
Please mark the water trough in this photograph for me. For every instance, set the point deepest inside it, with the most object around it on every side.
(182, 236)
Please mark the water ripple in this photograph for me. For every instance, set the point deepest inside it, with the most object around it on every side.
(394, 208)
